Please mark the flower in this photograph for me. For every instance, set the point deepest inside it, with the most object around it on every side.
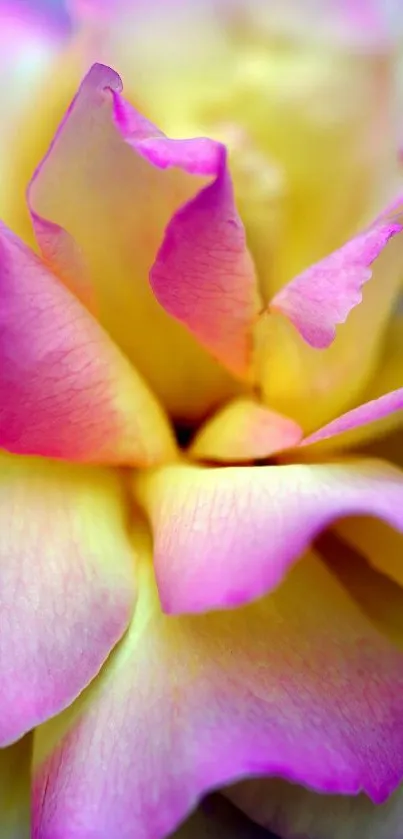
(187, 609)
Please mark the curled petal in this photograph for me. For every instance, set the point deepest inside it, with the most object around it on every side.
(225, 536)
(66, 584)
(243, 431)
(314, 387)
(65, 390)
(290, 686)
(204, 276)
(118, 193)
(324, 295)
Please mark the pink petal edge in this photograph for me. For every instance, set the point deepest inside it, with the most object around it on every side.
(203, 275)
(324, 295)
(223, 537)
(364, 414)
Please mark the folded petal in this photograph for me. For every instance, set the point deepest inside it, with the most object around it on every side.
(298, 685)
(66, 584)
(65, 390)
(243, 431)
(292, 811)
(323, 296)
(124, 192)
(204, 276)
(314, 387)
(15, 766)
(225, 536)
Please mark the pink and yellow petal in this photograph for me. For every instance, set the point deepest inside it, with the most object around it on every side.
(67, 584)
(244, 431)
(15, 778)
(113, 182)
(323, 296)
(313, 387)
(65, 390)
(290, 64)
(223, 537)
(389, 405)
(289, 686)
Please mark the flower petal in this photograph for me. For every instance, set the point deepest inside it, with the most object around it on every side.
(15, 765)
(366, 414)
(113, 182)
(324, 295)
(289, 686)
(65, 390)
(292, 811)
(380, 412)
(204, 276)
(243, 431)
(225, 536)
(66, 584)
(314, 387)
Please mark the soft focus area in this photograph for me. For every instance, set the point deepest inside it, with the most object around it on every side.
(201, 419)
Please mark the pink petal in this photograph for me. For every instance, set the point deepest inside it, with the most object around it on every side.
(204, 277)
(323, 296)
(203, 274)
(115, 191)
(365, 414)
(225, 536)
(66, 584)
(298, 685)
(243, 431)
(315, 387)
(65, 389)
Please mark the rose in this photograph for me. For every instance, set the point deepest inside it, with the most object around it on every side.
(291, 684)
